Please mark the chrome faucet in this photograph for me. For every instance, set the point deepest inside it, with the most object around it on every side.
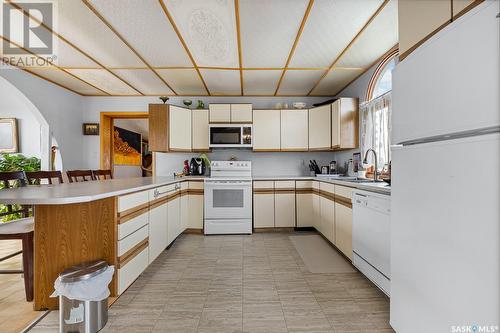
(365, 161)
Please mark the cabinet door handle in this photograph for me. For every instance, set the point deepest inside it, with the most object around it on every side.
(158, 193)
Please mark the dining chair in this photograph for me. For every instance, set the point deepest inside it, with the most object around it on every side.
(75, 176)
(21, 229)
(36, 177)
(102, 174)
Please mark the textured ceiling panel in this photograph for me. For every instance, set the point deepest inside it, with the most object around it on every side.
(378, 38)
(260, 82)
(67, 80)
(104, 80)
(183, 81)
(299, 82)
(145, 80)
(222, 82)
(264, 41)
(335, 80)
(146, 28)
(331, 25)
(78, 24)
(209, 29)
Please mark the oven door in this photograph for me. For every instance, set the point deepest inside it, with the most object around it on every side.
(228, 199)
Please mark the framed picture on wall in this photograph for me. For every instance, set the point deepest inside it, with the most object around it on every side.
(8, 135)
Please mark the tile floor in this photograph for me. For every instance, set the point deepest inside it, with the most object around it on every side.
(254, 283)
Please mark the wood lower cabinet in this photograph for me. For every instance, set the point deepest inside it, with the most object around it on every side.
(266, 130)
(327, 211)
(320, 128)
(196, 205)
(199, 120)
(263, 204)
(284, 204)
(294, 130)
(345, 123)
(304, 198)
(158, 127)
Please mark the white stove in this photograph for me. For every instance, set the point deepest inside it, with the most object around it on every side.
(228, 198)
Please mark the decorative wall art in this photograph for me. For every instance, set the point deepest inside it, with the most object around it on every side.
(8, 135)
(126, 147)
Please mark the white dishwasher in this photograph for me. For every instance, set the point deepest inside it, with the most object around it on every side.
(371, 241)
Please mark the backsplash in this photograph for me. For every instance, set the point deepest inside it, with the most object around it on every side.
(263, 164)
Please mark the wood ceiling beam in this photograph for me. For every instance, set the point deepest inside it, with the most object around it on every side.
(295, 43)
(13, 4)
(238, 38)
(370, 20)
(183, 42)
(99, 15)
(52, 66)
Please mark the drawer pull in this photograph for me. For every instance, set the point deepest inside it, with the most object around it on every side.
(158, 193)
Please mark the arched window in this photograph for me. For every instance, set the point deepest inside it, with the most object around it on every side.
(375, 113)
(381, 81)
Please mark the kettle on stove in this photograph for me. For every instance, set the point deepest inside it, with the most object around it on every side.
(197, 167)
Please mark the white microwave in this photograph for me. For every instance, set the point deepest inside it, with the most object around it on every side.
(229, 136)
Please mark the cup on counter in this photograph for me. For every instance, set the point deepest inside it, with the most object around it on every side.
(361, 173)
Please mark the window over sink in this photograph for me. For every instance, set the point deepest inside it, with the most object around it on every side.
(375, 112)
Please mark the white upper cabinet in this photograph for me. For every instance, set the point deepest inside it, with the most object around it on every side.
(200, 130)
(320, 128)
(220, 113)
(241, 113)
(230, 113)
(294, 130)
(266, 130)
(180, 128)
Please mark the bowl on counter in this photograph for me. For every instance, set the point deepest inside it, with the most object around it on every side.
(299, 105)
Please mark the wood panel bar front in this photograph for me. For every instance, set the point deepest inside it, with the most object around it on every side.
(71, 234)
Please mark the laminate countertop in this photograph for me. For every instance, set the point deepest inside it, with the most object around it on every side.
(69, 193)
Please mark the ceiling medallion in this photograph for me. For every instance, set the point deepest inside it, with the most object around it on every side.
(208, 35)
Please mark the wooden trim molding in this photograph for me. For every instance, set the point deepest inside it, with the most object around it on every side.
(327, 195)
(284, 190)
(238, 39)
(132, 210)
(465, 10)
(173, 196)
(321, 149)
(196, 191)
(344, 51)
(158, 202)
(193, 231)
(343, 201)
(295, 43)
(373, 80)
(132, 253)
(304, 191)
(133, 215)
(263, 190)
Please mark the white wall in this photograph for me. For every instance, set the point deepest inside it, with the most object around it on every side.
(358, 90)
(60, 108)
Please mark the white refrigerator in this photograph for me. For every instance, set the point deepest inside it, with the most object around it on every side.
(445, 194)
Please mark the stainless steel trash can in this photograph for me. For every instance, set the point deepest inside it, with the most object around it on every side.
(82, 316)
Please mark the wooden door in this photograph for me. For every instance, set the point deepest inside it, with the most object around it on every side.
(294, 130)
(320, 128)
(335, 126)
(200, 130)
(266, 130)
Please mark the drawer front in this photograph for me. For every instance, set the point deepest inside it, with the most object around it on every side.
(315, 184)
(304, 184)
(131, 201)
(129, 226)
(326, 187)
(263, 184)
(132, 240)
(184, 186)
(132, 269)
(162, 192)
(284, 184)
(196, 185)
(343, 191)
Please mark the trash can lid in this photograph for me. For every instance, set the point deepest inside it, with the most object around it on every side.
(83, 271)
